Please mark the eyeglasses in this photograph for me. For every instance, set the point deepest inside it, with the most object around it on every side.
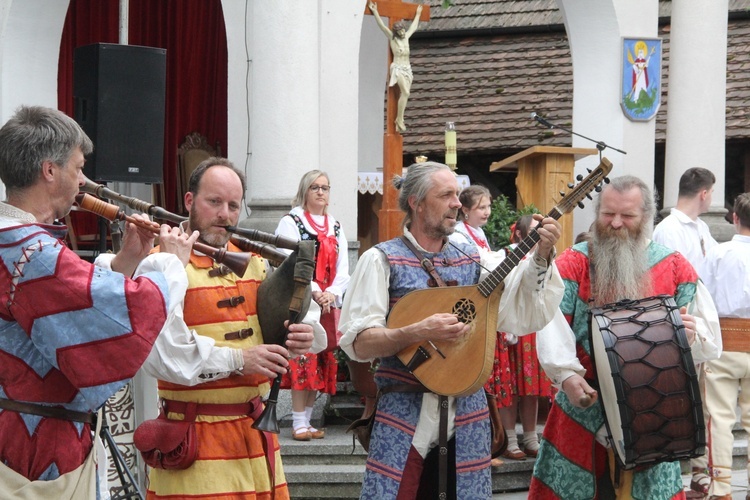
(317, 188)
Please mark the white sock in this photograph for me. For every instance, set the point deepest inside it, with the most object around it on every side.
(308, 416)
(299, 420)
(512, 441)
(531, 441)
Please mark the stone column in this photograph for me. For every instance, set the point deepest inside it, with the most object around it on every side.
(697, 101)
(293, 102)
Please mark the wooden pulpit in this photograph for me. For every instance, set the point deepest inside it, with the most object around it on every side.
(543, 172)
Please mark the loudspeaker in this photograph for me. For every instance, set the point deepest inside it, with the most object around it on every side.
(119, 98)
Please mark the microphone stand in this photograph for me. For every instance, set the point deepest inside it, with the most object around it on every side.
(600, 145)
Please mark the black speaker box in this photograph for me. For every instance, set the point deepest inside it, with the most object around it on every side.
(119, 98)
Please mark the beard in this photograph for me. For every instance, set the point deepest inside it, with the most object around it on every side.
(206, 236)
(439, 229)
(621, 265)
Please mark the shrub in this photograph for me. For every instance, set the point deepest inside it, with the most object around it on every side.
(503, 216)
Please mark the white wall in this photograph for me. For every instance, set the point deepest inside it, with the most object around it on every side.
(373, 75)
(595, 30)
(30, 32)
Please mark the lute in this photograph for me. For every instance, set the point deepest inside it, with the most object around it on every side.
(459, 368)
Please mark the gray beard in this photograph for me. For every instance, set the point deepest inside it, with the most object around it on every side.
(621, 268)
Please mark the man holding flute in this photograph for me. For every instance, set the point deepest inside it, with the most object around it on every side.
(72, 333)
(216, 362)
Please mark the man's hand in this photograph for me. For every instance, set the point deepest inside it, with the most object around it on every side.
(688, 320)
(173, 240)
(300, 338)
(136, 244)
(549, 231)
(579, 392)
(269, 360)
(440, 326)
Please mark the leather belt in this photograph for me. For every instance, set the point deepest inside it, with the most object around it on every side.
(735, 334)
(48, 411)
(253, 408)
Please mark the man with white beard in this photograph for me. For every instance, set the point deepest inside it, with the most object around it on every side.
(620, 262)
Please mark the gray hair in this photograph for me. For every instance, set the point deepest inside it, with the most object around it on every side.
(625, 183)
(417, 183)
(33, 135)
(304, 186)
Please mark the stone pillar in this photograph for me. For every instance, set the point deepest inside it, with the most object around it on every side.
(697, 100)
(293, 101)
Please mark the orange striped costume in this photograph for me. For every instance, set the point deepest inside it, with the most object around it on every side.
(231, 461)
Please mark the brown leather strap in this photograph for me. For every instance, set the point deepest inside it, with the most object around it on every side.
(443, 448)
(735, 334)
(215, 410)
(231, 301)
(239, 334)
(428, 266)
(48, 411)
(222, 270)
(426, 263)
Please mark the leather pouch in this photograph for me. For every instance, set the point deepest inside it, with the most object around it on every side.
(168, 444)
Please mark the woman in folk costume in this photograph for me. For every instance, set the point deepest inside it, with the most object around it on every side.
(528, 379)
(476, 208)
(309, 220)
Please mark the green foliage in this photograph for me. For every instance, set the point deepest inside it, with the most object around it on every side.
(447, 3)
(643, 103)
(503, 215)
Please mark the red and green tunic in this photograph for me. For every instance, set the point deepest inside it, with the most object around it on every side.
(570, 459)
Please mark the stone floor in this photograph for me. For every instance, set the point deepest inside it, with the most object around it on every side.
(739, 488)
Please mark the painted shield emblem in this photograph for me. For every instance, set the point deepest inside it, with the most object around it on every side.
(641, 78)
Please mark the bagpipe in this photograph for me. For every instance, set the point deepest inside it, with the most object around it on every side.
(284, 295)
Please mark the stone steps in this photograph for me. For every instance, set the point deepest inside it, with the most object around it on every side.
(333, 467)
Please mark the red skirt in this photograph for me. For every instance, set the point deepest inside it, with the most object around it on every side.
(312, 372)
(500, 382)
(528, 376)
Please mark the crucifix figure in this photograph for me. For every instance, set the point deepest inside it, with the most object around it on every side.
(400, 67)
(390, 216)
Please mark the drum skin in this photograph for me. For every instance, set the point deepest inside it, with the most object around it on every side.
(647, 381)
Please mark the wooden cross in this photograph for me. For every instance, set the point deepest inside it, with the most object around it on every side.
(390, 216)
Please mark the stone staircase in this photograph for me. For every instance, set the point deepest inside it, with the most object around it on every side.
(333, 467)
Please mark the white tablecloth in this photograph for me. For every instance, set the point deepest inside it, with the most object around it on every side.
(372, 182)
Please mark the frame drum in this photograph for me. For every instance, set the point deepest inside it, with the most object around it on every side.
(647, 382)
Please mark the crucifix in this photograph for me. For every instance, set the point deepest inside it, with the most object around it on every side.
(390, 217)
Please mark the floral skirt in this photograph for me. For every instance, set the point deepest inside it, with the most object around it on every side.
(312, 372)
(528, 377)
(500, 382)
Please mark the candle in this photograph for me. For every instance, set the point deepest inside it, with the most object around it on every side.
(450, 145)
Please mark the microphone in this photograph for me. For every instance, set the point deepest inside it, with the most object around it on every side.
(541, 120)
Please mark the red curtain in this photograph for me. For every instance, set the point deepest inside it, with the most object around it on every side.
(194, 35)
